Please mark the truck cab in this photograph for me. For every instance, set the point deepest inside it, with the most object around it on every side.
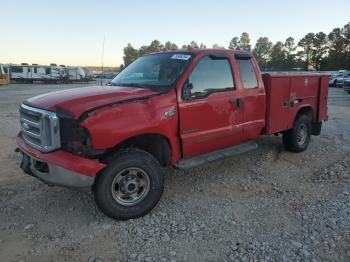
(179, 108)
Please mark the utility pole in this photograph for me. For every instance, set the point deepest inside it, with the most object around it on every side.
(103, 50)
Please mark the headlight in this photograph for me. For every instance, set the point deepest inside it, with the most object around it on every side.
(75, 138)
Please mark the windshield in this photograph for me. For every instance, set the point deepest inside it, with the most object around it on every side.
(158, 71)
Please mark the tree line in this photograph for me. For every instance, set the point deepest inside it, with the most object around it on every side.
(315, 51)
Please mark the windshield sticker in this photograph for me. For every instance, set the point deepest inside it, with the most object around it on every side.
(180, 56)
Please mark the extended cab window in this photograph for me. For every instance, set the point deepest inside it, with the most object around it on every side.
(247, 73)
(211, 74)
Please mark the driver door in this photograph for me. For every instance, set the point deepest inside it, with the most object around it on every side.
(209, 117)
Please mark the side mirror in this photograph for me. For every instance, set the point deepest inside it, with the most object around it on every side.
(186, 90)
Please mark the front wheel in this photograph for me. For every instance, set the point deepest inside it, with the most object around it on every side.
(298, 138)
(130, 186)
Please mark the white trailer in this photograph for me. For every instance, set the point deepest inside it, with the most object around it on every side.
(29, 73)
(4, 76)
(75, 74)
(88, 75)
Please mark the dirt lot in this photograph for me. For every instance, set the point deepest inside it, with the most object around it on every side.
(268, 204)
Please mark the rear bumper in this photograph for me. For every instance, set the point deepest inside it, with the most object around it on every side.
(59, 167)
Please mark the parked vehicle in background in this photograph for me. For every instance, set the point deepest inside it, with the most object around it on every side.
(106, 75)
(88, 75)
(337, 80)
(179, 108)
(52, 73)
(25, 73)
(4, 75)
(75, 74)
(346, 85)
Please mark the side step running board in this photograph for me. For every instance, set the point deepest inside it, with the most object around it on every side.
(216, 155)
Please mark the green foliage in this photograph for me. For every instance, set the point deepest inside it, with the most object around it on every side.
(244, 42)
(339, 48)
(278, 57)
(234, 44)
(292, 60)
(314, 51)
(130, 54)
(170, 46)
(194, 44)
(306, 43)
(262, 51)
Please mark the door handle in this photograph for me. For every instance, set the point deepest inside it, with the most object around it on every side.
(237, 102)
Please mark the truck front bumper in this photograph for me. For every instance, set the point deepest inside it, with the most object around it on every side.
(59, 167)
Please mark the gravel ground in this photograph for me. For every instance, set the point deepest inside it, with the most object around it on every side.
(268, 204)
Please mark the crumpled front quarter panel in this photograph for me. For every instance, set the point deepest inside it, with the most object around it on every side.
(114, 124)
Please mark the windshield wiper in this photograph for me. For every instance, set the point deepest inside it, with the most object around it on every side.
(130, 84)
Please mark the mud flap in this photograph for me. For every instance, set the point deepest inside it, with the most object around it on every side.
(316, 128)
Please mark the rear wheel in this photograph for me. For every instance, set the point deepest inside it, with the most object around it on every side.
(298, 138)
(130, 186)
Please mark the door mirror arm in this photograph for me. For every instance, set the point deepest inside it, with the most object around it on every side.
(186, 90)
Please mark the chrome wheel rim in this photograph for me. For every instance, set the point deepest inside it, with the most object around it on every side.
(302, 134)
(130, 186)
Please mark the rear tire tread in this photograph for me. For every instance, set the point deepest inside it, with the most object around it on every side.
(290, 136)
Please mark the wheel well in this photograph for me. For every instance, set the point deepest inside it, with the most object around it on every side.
(305, 111)
(155, 144)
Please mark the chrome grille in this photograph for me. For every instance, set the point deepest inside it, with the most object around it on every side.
(40, 128)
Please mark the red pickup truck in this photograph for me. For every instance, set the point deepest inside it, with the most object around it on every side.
(180, 108)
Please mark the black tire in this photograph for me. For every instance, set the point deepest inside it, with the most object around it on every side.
(335, 83)
(348, 92)
(292, 138)
(109, 194)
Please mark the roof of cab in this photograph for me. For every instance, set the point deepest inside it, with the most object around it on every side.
(204, 50)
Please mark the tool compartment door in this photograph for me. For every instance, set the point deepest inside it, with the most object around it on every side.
(278, 97)
(323, 99)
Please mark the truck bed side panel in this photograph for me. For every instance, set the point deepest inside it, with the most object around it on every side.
(288, 93)
(303, 93)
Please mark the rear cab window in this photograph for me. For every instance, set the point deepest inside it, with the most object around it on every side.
(247, 72)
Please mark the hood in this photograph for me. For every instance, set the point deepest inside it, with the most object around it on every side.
(79, 100)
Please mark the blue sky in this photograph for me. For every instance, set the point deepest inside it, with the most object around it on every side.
(71, 32)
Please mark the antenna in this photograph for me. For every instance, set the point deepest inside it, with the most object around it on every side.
(103, 51)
